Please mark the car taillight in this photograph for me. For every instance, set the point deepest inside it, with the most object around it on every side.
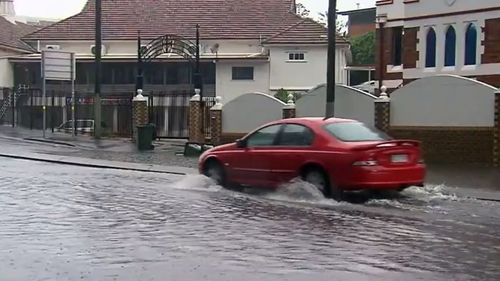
(365, 163)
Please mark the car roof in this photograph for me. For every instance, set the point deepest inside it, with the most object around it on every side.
(315, 120)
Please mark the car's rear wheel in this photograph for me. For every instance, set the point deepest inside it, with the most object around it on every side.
(319, 179)
(215, 171)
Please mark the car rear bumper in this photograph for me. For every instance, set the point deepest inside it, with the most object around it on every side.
(383, 178)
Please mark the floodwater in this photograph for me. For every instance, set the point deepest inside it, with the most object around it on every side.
(72, 223)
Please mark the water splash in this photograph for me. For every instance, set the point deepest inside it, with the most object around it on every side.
(298, 191)
(197, 182)
(430, 193)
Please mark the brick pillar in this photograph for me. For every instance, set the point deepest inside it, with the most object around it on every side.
(216, 122)
(496, 140)
(140, 112)
(383, 111)
(289, 110)
(195, 125)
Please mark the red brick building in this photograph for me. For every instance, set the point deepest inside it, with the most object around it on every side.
(421, 38)
(361, 21)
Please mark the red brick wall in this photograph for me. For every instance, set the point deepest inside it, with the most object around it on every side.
(360, 29)
(410, 53)
(492, 41)
(451, 145)
(387, 56)
(493, 80)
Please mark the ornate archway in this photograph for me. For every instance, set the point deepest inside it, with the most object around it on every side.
(170, 44)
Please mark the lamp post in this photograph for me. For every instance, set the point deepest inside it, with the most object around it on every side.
(381, 21)
(198, 81)
(331, 63)
(98, 76)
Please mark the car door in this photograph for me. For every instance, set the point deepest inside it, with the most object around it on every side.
(252, 167)
(292, 150)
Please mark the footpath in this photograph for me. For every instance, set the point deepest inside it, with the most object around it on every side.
(121, 153)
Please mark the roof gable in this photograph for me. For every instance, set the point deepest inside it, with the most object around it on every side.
(306, 31)
(12, 32)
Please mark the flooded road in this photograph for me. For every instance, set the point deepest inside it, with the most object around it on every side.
(73, 223)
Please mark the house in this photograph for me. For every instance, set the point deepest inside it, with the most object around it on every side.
(11, 32)
(360, 21)
(421, 38)
(246, 46)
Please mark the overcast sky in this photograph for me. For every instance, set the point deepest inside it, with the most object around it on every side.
(66, 8)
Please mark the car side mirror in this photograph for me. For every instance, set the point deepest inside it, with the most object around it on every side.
(241, 143)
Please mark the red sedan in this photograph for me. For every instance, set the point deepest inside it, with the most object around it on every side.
(335, 155)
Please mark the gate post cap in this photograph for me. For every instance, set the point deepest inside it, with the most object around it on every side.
(139, 96)
(218, 103)
(383, 93)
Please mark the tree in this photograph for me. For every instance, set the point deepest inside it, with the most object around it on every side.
(283, 94)
(301, 10)
(341, 24)
(363, 49)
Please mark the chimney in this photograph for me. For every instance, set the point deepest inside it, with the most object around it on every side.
(7, 8)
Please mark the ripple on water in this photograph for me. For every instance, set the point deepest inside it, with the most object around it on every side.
(104, 222)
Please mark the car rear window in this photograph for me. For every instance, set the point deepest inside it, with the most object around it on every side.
(354, 131)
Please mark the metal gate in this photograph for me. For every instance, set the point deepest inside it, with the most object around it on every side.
(169, 111)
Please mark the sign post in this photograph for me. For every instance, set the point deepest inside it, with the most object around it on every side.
(59, 66)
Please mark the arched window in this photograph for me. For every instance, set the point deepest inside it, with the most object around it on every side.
(470, 45)
(450, 47)
(430, 50)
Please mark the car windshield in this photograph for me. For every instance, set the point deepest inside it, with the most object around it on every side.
(354, 131)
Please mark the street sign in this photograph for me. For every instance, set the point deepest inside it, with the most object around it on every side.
(59, 66)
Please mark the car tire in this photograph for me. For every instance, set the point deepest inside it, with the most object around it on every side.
(319, 179)
(214, 170)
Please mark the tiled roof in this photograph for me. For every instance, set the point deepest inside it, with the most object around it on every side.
(11, 34)
(218, 19)
(306, 31)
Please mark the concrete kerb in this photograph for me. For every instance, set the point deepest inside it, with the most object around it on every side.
(102, 164)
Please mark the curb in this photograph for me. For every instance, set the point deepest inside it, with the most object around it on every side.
(50, 141)
(61, 161)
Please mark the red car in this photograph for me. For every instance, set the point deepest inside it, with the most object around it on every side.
(335, 155)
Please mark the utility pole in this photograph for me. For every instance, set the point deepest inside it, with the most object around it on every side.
(98, 76)
(331, 64)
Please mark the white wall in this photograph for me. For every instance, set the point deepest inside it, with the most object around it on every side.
(129, 47)
(440, 25)
(304, 75)
(424, 8)
(350, 103)
(6, 73)
(443, 101)
(249, 111)
(229, 89)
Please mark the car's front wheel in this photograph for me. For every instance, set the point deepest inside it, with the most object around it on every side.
(215, 171)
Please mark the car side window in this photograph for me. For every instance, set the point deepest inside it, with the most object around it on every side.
(264, 136)
(296, 135)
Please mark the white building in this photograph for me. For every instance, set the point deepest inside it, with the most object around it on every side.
(422, 38)
(246, 46)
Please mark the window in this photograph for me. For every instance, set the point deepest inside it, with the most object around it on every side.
(296, 135)
(242, 73)
(296, 56)
(430, 50)
(264, 137)
(450, 47)
(470, 45)
(154, 73)
(354, 131)
(124, 73)
(397, 45)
